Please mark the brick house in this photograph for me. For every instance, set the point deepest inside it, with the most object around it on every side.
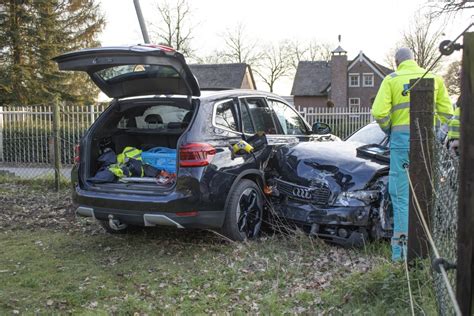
(224, 76)
(339, 82)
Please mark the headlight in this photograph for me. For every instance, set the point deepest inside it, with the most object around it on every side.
(365, 196)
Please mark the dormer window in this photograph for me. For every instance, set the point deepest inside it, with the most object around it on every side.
(354, 80)
(368, 79)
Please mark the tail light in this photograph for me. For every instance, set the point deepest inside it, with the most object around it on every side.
(77, 154)
(196, 155)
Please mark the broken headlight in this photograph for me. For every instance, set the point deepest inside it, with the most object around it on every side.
(367, 197)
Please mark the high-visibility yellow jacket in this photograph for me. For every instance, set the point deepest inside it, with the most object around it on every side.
(391, 109)
(120, 169)
(454, 124)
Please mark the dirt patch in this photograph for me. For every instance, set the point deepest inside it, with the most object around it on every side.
(26, 206)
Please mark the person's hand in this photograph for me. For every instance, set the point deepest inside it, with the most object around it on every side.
(454, 147)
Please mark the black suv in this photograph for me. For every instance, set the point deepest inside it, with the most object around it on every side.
(157, 102)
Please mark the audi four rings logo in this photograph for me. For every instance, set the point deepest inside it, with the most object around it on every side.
(302, 193)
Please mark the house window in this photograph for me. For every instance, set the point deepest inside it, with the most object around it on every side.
(354, 102)
(368, 80)
(354, 80)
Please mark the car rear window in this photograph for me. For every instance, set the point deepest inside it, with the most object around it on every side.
(150, 71)
(156, 117)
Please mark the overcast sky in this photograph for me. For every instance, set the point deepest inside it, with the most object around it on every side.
(373, 26)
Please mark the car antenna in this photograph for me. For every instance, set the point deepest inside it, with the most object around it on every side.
(141, 20)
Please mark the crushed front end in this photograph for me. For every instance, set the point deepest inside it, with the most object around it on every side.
(336, 196)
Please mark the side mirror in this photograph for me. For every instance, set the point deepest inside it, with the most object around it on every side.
(321, 128)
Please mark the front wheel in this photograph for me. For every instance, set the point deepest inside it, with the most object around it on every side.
(244, 211)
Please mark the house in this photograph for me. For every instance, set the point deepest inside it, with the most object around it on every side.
(339, 82)
(224, 76)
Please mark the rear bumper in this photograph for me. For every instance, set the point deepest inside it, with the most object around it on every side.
(200, 220)
(174, 209)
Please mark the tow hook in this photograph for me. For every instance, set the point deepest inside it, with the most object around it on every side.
(314, 230)
(115, 224)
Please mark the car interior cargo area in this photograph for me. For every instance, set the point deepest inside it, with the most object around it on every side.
(135, 144)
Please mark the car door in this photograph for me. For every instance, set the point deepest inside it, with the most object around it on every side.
(256, 117)
(133, 71)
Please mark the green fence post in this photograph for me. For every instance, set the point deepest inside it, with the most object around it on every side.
(57, 144)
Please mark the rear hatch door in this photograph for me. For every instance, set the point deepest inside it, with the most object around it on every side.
(133, 71)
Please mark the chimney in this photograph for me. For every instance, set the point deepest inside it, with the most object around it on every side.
(339, 64)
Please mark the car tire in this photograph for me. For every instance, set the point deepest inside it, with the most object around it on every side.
(244, 212)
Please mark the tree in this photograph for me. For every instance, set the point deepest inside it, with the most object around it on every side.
(239, 47)
(274, 64)
(216, 57)
(422, 38)
(33, 32)
(452, 78)
(308, 51)
(173, 28)
(389, 58)
(450, 6)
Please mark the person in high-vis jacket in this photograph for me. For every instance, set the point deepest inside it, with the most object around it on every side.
(391, 110)
(453, 131)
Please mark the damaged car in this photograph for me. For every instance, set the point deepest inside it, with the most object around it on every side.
(335, 190)
(165, 153)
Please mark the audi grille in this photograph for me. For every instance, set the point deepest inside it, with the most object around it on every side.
(317, 194)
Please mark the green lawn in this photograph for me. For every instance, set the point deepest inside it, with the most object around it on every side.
(73, 266)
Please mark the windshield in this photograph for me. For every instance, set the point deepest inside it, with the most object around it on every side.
(370, 134)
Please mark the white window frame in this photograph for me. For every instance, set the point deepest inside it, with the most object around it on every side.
(353, 106)
(364, 75)
(358, 79)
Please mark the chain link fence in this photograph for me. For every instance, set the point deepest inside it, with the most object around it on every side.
(444, 219)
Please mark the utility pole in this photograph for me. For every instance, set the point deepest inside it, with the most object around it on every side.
(421, 150)
(465, 255)
(141, 21)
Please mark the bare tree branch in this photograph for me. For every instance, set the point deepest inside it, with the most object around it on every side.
(173, 28)
(275, 64)
(239, 47)
(308, 51)
(450, 7)
(423, 38)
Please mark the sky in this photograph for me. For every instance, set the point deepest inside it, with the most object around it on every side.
(373, 26)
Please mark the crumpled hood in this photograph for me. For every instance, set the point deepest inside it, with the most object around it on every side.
(333, 163)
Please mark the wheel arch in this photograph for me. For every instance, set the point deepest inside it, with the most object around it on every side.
(254, 175)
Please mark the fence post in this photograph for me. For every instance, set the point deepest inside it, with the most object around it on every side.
(57, 144)
(421, 151)
(2, 157)
(91, 114)
(465, 251)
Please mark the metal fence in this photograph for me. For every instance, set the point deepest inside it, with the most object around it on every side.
(27, 142)
(444, 220)
(343, 120)
(26, 137)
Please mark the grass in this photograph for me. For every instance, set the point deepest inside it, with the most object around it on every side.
(81, 269)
